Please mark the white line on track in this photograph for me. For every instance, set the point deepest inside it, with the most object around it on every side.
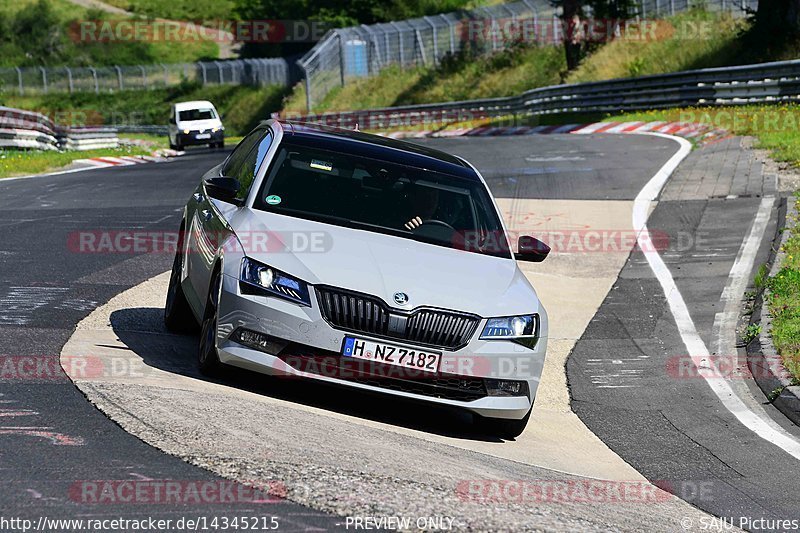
(761, 425)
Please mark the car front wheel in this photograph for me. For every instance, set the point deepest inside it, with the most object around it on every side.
(207, 356)
(178, 315)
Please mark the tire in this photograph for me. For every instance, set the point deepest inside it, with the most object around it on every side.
(505, 428)
(178, 316)
(207, 357)
(179, 147)
(172, 146)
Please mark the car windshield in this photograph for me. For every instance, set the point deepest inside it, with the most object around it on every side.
(373, 195)
(189, 115)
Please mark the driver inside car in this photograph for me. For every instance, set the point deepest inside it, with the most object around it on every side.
(422, 205)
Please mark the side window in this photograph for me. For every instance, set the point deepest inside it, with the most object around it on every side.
(247, 158)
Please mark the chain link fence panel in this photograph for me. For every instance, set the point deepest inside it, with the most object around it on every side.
(359, 51)
(38, 80)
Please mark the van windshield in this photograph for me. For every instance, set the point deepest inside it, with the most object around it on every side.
(362, 193)
(189, 115)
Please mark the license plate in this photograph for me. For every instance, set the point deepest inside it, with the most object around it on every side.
(391, 354)
(203, 136)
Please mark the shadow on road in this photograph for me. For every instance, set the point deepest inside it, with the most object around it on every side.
(142, 330)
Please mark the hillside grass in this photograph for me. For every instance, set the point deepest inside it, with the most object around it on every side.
(60, 19)
(690, 40)
(242, 107)
(461, 77)
(178, 9)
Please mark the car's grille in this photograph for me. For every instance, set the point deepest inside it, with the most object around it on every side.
(368, 314)
(331, 364)
(355, 312)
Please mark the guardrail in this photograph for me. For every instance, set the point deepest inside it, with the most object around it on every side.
(20, 129)
(775, 82)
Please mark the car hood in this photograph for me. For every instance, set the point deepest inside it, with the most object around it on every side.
(381, 265)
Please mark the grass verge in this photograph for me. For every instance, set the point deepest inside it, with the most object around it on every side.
(23, 163)
(776, 128)
(784, 302)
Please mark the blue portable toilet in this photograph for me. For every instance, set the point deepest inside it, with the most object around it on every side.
(355, 58)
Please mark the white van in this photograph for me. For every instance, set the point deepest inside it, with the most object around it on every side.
(192, 123)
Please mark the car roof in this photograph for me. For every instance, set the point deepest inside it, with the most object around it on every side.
(376, 147)
(194, 104)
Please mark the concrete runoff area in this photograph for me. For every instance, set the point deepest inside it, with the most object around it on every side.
(389, 456)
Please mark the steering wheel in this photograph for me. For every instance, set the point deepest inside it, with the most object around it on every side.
(436, 229)
(435, 223)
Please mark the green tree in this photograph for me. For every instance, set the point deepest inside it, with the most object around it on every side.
(778, 18)
(37, 30)
(333, 13)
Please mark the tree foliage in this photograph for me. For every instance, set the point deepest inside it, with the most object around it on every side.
(335, 14)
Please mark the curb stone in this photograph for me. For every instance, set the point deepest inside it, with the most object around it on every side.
(763, 360)
(698, 133)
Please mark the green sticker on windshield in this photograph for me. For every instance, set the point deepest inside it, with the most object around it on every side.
(273, 199)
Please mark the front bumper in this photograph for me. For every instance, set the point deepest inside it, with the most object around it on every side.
(303, 344)
(191, 138)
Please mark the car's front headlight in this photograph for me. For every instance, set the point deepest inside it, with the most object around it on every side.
(522, 329)
(257, 278)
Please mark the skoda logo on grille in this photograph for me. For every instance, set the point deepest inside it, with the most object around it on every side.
(400, 298)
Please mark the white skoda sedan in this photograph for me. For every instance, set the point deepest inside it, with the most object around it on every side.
(365, 262)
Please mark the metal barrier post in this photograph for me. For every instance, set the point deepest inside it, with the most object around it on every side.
(19, 80)
(401, 54)
(492, 26)
(94, 77)
(341, 58)
(119, 77)
(435, 41)
(69, 78)
(307, 79)
(452, 31)
(418, 39)
(44, 79)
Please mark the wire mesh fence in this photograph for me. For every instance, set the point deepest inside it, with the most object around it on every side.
(36, 80)
(665, 8)
(359, 51)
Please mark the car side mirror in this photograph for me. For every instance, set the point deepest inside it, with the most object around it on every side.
(531, 249)
(223, 188)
